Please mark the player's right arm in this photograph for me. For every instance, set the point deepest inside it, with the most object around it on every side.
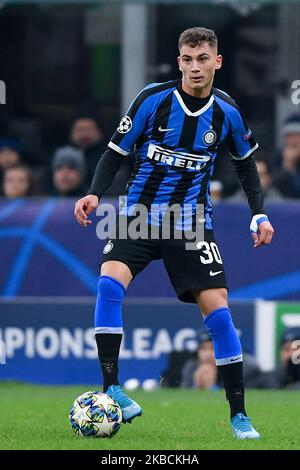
(106, 169)
(122, 142)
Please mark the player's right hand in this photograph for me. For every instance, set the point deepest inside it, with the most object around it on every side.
(84, 207)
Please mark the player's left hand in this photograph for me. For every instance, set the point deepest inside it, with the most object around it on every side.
(261, 229)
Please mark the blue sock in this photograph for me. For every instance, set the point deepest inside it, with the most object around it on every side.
(226, 341)
(109, 328)
(108, 310)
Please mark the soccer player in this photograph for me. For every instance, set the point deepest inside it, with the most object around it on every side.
(177, 128)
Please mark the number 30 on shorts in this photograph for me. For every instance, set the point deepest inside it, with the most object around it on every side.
(211, 252)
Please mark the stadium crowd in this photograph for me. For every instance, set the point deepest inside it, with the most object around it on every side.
(71, 166)
(200, 370)
(70, 169)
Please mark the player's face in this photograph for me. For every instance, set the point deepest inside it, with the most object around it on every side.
(198, 66)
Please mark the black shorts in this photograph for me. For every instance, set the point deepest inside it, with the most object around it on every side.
(198, 269)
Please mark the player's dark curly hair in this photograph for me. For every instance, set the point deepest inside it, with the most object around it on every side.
(196, 36)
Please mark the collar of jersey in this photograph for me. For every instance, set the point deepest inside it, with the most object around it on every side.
(187, 111)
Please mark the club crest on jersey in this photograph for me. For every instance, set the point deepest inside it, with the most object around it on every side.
(125, 125)
(209, 137)
(108, 247)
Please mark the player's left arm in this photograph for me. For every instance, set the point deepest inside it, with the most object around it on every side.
(242, 146)
(261, 229)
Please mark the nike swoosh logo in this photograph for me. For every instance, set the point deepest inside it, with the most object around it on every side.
(164, 130)
(211, 273)
(233, 360)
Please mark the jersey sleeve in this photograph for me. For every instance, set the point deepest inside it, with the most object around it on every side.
(131, 126)
(241, 142)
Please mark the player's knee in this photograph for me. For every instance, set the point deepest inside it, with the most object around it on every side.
(218, 298)
(211, 299)
(110, 289)
(117, 270)
(222, 296)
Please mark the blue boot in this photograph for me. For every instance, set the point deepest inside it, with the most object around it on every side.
(130, 409)
(242, 428)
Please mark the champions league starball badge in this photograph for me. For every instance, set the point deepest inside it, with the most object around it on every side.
(125, 125)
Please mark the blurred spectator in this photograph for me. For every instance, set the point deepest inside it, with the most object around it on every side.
(17, 182)
(69, 172)
(270, 193)
(287, 179)
(10, 153)
(216, 188)
(87, 135)
(171, 376)
(287, 374)
(224, 172)
(201, 372)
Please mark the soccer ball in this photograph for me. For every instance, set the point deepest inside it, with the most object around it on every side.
(95, 414)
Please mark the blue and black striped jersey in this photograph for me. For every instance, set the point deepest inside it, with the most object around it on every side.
(176, 147)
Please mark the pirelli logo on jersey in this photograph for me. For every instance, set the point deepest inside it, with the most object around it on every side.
(191, 161)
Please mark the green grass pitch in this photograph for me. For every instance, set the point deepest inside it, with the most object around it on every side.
(36, 417)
